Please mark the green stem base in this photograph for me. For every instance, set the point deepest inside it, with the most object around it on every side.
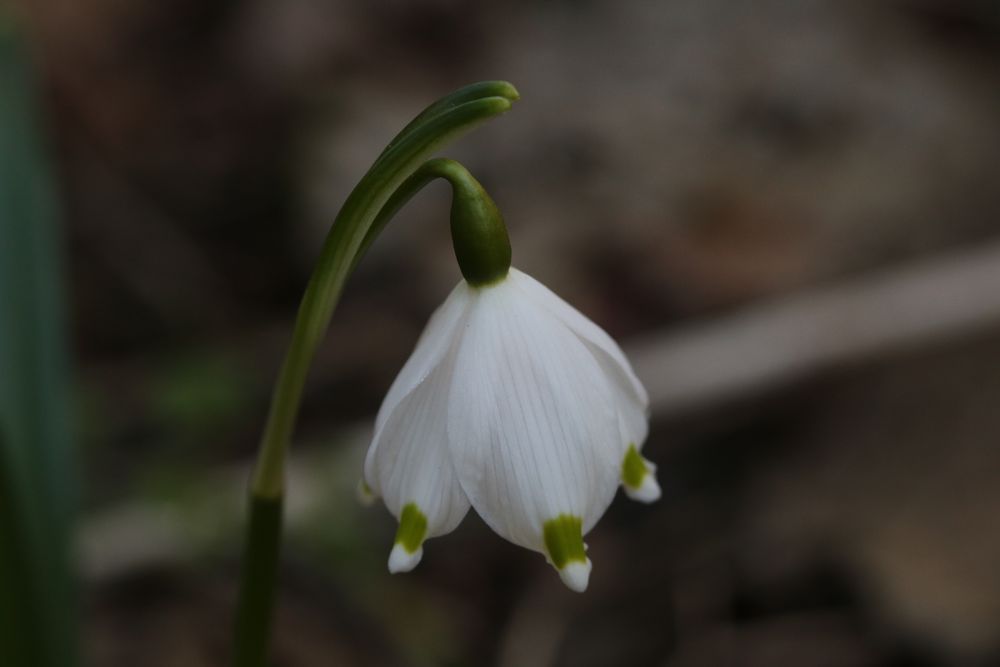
(257, 582)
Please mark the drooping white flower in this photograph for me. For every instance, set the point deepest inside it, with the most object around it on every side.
(516, 404)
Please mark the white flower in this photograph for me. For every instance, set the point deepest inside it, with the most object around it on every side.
(517, 404)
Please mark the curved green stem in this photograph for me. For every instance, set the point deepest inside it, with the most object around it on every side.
(255, 610)
(474, 91)
(440, 123)
(335, 261)
(477, 228)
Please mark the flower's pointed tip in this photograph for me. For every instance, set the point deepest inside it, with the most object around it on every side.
(401, 560)
(648, 490)
(639, 477)
(507, 89)
(576, 574)
(366, 496)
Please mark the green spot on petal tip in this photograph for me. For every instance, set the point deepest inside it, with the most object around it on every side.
(633, 468)
(637, 477)
(412, 528)
(564, 540)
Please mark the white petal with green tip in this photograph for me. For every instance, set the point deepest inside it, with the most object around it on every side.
(408, 548)
(532, 423)
(409, 460)
(630, 397)
(639, 477)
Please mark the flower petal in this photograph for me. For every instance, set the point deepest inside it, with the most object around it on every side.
(639, 477)
(576, 575)
(402, 560)
(566, 551)
(409, 464)
(430, 349)
(366, 495)
(633, 417)
(583, 327)
(408, 547)
(532, 423)
(631, 399)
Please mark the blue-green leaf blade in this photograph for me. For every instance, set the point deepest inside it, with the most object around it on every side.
(37, 483)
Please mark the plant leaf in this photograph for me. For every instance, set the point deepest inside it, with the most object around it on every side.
(37, 491)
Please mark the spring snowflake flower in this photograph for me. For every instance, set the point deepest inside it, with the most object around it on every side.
(515, 404)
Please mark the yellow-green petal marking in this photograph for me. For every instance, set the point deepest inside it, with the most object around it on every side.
(634, 468)
(412, 528)
(564, 540)
(638, 477)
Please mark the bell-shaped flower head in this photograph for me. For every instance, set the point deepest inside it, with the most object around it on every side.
(517, 404)
(513, 402)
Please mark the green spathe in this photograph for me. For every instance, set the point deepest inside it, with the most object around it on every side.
(564, 540)
(634, 469)
(412, 528)
(478, 233)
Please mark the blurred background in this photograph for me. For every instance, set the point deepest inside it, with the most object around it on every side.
(786, 211)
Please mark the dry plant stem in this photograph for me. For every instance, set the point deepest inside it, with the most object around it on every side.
(777, 343)
(699, 367)
(439, 124)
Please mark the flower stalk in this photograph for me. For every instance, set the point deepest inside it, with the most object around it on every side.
(478, 232)
(381, 192)
(399, 161)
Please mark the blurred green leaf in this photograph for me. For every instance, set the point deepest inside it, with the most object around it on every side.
(199, 395)
(37, 490)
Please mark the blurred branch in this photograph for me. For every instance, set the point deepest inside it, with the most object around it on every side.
(785, 341)
(765, 347)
